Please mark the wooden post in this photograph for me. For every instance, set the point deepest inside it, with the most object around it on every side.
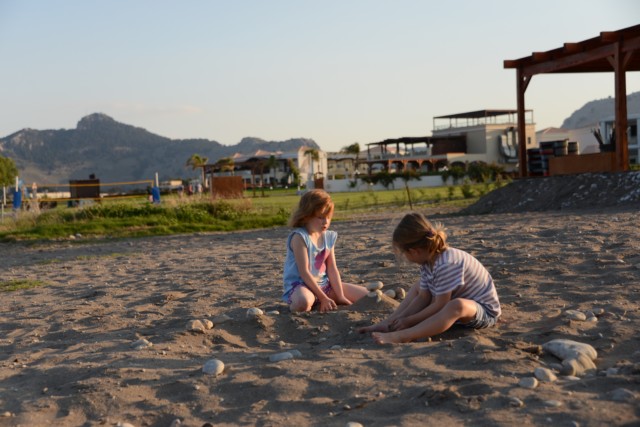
(521, 87)
(622, 145)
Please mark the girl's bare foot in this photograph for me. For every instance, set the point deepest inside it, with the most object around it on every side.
(378, 327)
(387, 338)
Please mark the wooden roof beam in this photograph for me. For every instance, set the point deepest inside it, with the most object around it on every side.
(609, 36)
(573, 60)
(541, 56)
(572, 48)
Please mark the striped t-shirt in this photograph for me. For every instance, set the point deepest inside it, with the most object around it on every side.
(464, 276)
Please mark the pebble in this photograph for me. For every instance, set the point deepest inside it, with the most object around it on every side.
(196, 326)
(516, 403)
(207, 323)
(374, 286)
(553, 403)
(353, 424)
(254, 312)
(218, 320)
(213, 367)
(390, 293)
(623, 395)
(611, 371)
(577, 357)
(141, 344)
(401, 293)
(544, 374)
(528, 382)
(279, 357)
(575, 315)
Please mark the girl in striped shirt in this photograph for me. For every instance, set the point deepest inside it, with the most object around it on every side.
(454, 287)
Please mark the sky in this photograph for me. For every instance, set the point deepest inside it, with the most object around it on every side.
(335, 71)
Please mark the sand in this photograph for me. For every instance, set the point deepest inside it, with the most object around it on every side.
(68, 354)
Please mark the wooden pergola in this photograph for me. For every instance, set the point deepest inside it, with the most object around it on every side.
(617, 51)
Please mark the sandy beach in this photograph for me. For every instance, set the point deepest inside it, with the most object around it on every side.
(108, 341)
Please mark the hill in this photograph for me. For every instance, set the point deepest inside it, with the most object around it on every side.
(117, 152)
(594, 111)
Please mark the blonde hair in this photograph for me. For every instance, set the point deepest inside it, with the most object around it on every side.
(415, 231)
(313, 202)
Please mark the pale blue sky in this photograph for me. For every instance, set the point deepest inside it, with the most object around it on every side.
(335, 71)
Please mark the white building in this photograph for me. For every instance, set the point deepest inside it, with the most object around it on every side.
(274, 169)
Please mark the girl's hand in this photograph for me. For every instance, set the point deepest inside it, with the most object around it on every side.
(343, 301)
(383, 326)
(400, 323)
(327, 304)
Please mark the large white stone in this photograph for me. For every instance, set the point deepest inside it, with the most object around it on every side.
(213, 367)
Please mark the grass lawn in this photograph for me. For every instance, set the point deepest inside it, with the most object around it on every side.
(138, 217)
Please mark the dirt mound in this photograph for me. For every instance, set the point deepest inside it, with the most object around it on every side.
(371, 304)
(567, 192)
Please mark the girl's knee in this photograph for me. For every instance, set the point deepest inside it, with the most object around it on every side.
(456, 307)
(300, 306)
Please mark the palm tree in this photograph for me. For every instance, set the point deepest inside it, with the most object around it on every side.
(272, 164)
(353, 149)
(198, 161)
(225, 164)
(314, 155)
(293, 172)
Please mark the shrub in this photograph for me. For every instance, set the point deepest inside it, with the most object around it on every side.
(465, 188)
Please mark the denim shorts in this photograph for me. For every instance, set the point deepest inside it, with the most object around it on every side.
(482, 319)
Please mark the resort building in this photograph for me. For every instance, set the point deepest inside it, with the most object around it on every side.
(273, 169)
(488, 136)
(345, 166)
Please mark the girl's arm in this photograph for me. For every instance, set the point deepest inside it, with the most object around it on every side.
(439, 301)
(302, 262)
(399, 319)
(335, 280)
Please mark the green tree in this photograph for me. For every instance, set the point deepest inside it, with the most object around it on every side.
(197, 161)
(8, 171)
(353, 149)
(455, 172)
(479, 172)
(385, 178)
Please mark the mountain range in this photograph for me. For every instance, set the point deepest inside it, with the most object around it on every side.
(117, 152)
(594, 111)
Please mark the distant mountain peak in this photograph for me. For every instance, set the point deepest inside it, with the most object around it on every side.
(92, 119)
(117, 152)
